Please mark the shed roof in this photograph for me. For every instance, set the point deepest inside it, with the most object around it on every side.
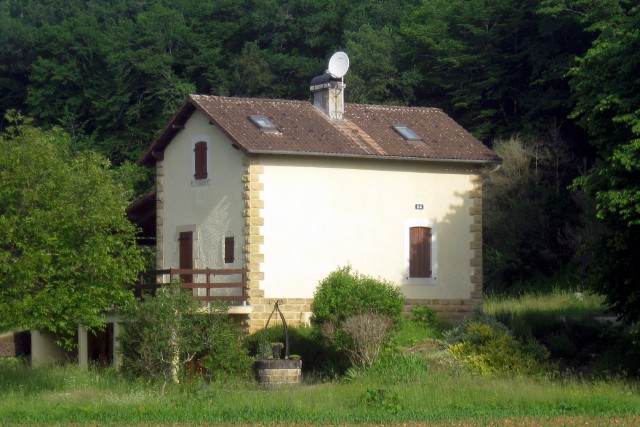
(365, 131)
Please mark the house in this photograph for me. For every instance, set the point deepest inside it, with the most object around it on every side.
(292, 190)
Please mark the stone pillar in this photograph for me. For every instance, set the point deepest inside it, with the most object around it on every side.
(83, 348)
(253, 239)
(117, 357)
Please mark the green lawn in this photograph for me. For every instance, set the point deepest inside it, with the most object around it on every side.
(431, 393)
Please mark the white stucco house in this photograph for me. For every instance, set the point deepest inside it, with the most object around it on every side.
(292, 190)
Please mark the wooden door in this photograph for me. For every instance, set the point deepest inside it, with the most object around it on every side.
(186, 254)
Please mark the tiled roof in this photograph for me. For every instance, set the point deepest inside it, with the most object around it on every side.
(366, 130)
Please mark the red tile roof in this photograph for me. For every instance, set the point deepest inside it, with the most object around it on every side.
(366, 130)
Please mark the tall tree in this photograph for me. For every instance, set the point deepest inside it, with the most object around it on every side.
(375, 77)
(606, 89)
(67, 249)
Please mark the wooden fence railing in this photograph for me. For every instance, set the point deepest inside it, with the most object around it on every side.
(208, 284)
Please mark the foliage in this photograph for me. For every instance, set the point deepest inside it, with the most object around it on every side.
(355, 313)
(381, 399)
(374, 77)
(224, 355)
(497, 65)
(424, 316)
(345, 293)
(67, 249)
(168, 333)
(531, 223)
(606, 91)
(119, 69)
(488, 347)
(570, 326)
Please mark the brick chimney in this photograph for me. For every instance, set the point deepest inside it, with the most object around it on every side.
(328, 95)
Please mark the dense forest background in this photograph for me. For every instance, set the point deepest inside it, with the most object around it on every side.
(552, 86)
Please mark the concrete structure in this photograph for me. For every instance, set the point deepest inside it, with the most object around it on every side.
(44, 350)
(292, 191)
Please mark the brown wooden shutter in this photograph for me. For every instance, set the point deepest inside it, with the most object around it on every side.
(185, 241)
(229, 244)
(420, 252)
(200, 160)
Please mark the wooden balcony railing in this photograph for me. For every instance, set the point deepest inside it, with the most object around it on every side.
(208, 284)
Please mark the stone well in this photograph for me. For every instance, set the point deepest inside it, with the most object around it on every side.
(278, 371)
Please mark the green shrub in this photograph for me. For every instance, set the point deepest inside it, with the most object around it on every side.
(346, 305)
(170, 335)
(424, 316)
(382, 399)
(344, 293)
(487, 346)
(224, 355)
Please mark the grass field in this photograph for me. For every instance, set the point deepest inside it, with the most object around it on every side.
(421, 387)
(67, 395)
(557, 302)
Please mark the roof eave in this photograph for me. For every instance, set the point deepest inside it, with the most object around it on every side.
(497, 161)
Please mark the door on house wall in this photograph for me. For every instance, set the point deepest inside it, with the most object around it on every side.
(186, 254)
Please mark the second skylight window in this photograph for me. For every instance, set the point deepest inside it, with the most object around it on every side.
(407, 133)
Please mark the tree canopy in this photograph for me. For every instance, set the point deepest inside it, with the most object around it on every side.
(67, 249)
(606, 89)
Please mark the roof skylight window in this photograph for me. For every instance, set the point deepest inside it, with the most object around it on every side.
(407, 133)
(264, 124)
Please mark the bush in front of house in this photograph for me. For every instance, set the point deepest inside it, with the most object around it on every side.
(345, 293)
(169, 336)
(355, 313)
(424, 316)
(487, 346)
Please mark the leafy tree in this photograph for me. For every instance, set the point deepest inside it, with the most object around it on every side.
(375, 77)
(67, 249)
(606, 88)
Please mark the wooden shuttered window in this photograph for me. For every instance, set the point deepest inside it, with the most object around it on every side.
(200, 150)
(420, 252)
(229, 245)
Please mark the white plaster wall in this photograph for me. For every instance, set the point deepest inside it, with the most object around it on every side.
(322, 213)
(213, 210)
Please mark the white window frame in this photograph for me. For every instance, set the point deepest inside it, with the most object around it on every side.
(433, 280)
(207, 140)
